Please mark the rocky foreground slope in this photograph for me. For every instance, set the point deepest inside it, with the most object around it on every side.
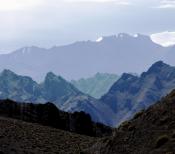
(18, 137)
(49, 115)
(149, 132)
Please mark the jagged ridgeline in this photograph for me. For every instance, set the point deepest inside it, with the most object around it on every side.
(53, 89)
(83, 58)
(149, 132)
(49, 115)
(128, 95)
(96, 86)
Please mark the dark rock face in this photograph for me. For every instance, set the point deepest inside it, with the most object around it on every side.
(131, 94)
(48, 114)
(149, 132)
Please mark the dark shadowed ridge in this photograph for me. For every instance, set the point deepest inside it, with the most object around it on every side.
(149, 132)
(49, 115)
(131, 94)
(21, 137)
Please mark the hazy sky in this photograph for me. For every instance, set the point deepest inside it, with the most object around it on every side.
(46, 23)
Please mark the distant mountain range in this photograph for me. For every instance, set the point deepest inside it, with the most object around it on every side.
(96, 86)
(113, 54)
(127, 96)
(53, 89)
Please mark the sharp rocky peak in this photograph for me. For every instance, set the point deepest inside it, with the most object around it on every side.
(52, 76)
(7, 72)
(158, 66)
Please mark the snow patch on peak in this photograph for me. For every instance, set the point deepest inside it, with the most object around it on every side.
(26, 50)
(121, 35)
(99, 39)
(135, 35)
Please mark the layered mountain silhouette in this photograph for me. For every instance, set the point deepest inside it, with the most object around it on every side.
(96, 86)
(127, 96)
(149, 132)
(49, 115)
(113, 54)
(53, 89)
(131, 93)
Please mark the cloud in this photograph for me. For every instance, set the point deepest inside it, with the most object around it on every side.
(13, 5)
(165, 4)
(164, 38)
(10, 5)
(118, 2)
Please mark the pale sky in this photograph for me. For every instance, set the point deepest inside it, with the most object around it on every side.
(46, 23)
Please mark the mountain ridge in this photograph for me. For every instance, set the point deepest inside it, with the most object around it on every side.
(128, 95)
(103, 56)
(131, 93)
(97, 85)
(148, 132)
(53, 89)
(49, 115)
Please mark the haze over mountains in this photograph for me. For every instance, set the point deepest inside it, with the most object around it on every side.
(113, 54)
(53, 89)
(96, 86)
(127, 96)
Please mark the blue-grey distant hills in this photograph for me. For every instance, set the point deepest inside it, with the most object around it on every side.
(127, 96)
(131, 94)
(96, 86)
(53, 89)
(113, 54)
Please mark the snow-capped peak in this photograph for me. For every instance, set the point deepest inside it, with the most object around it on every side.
(136, 35)
(26, 50)
(99, 39)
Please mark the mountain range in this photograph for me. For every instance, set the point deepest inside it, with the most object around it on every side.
(131, 94)
(128, 95)
(53, 89)
(49, 115)
(148, 132)
(96, 86)
(42, 128)
(112, 54)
